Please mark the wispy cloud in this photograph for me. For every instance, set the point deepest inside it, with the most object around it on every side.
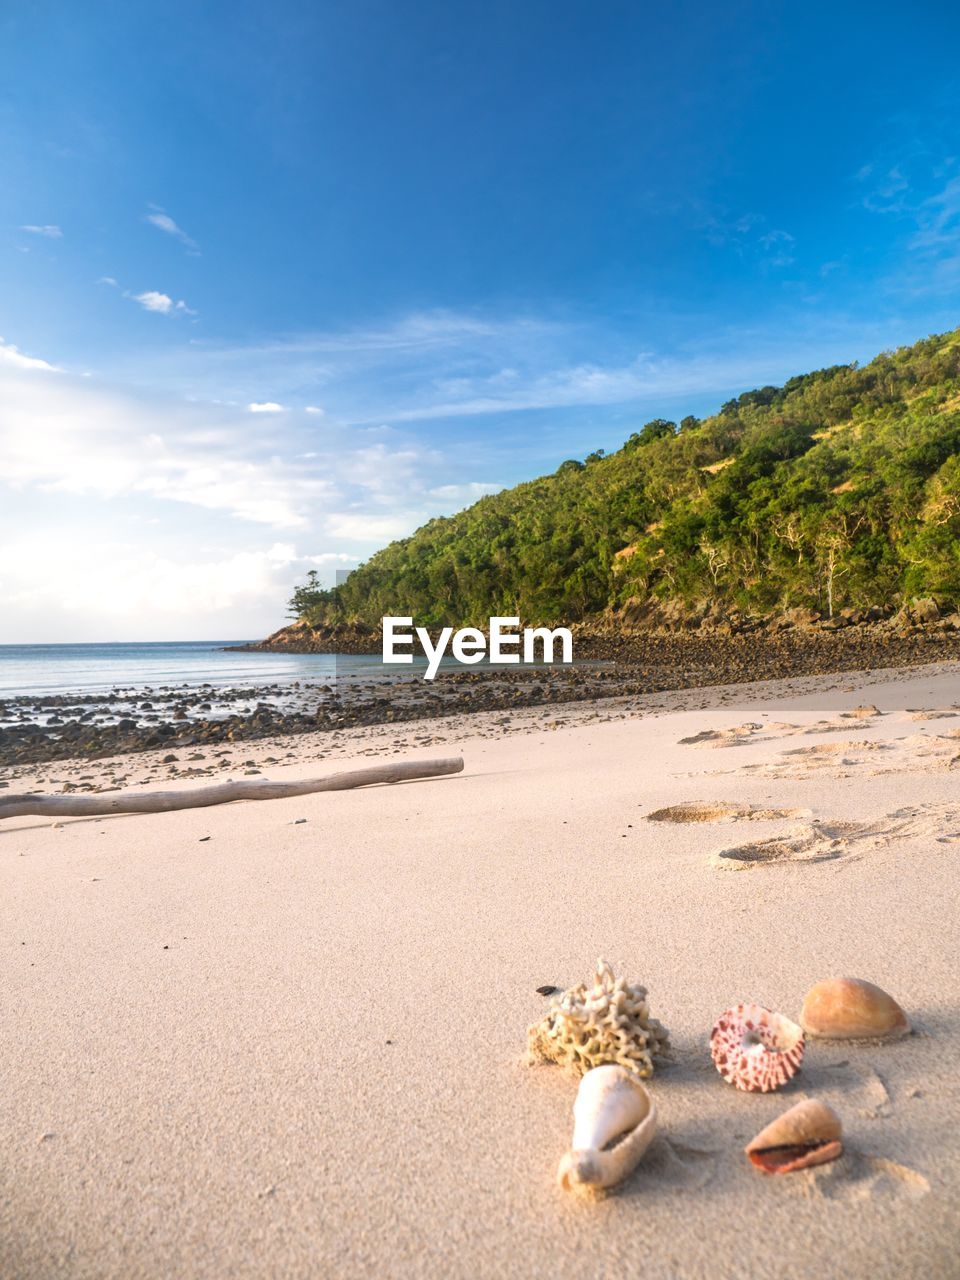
(50, 230)
(938, 220)
(163, 222)
(779, 248)
(431, 368)
(923, 192)
(750, 236)
(81, 436)
(73, 435)
(264, 406)
(886, 191)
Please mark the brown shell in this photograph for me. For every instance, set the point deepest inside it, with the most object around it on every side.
(851, 1009)
(755, 1049)
(809, 1134)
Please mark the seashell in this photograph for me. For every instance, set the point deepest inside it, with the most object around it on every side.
(755, 1049)
(808, 1134)
(851, 1009)
(614, 1121)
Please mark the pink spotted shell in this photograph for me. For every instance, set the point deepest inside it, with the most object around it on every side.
(754, 1049)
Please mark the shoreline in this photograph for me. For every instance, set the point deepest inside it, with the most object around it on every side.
(226, 760)
(50, 727)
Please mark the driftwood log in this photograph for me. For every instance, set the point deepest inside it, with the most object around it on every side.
(255, 789)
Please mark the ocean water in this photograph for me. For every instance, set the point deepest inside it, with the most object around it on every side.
(31, 669)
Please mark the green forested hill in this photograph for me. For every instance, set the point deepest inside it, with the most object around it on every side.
(841, 487)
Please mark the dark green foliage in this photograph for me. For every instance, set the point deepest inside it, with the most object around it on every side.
(309, 598)
(656, 429)
(840, 488)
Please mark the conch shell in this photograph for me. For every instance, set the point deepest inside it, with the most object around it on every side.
(614, 1121)
(808, 1134)
(851, 1009)
(755, 1049)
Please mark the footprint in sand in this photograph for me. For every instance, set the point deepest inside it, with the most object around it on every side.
(808, 843)
(741, 735)
(821, 841)
(916, 753)
(733, 737)
(721, 811)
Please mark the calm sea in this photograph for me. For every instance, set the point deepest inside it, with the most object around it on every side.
(77, 668)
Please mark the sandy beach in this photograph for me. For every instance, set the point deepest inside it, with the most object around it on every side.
(288, 1038)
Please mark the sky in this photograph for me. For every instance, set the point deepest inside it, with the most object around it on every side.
(281, 281)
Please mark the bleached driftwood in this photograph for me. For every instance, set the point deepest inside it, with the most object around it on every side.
(246, 789)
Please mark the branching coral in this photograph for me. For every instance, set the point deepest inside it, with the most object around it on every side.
(606, 1021)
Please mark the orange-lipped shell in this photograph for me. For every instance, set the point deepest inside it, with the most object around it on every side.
(808, 1134)
(755, 1049)
(851, 1009)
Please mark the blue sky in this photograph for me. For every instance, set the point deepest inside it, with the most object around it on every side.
(279, 282)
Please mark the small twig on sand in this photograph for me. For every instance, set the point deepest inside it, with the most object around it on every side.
(257, 789)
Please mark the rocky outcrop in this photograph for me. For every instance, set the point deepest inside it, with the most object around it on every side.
(656, 617)
(651, 616)
(302, 637)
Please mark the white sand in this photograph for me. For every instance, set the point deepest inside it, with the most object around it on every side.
(297, 1049)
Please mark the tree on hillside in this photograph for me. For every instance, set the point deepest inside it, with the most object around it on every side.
(308, 597)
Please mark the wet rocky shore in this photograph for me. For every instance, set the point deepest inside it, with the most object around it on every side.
(36, 729)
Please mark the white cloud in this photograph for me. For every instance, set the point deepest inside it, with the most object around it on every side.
(154, 501)
(314, 409)
(152, 300)
(77, 436)
(74, 436)
(14, 358)
(265, 406)
(101, 587)
(163, 222)
(464, 494)
(362, 527)
(50, 231)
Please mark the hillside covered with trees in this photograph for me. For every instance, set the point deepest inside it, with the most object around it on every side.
(840, 488)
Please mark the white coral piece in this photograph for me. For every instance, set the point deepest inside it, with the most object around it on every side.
(606, 1021)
